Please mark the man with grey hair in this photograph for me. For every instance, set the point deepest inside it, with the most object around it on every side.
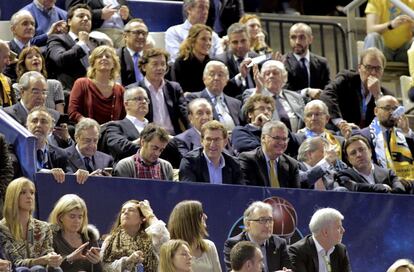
(196, 12)
(258, 222)
(322, 251)
(308, 73)
(268, 165)
(289, 105)
(226, 109)
(7, 95)
(83, 158)
(121, 138)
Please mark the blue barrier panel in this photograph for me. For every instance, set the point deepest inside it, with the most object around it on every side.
(378, 227)
(23, 141)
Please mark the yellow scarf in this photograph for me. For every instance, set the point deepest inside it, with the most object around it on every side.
(332, 140)
(399, 157)
(6, 91)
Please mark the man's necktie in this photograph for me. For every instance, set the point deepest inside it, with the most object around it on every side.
(223, 114)
(138, 74)
(327, 263)
(283, 116)
(88, 164)
(274, 180)
(40, 157)
(304, 71)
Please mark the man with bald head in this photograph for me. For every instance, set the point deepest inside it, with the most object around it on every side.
(390, 138)
(7, 95)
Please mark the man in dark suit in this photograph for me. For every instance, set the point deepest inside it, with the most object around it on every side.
(236, 58)
(364, 176)
(258, 223)
(308, 73)
(121, 138)
(67, 54)
(225, 108)
(209, 163)
(84, 157)
(323, 250)
(168, 107)
(351, 96)
(268, 165)
(135, 37)
(223, 13)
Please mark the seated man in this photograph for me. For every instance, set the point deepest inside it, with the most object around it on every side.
(121, 138)
(364, 176)
(390, 138)
(267, 165)
(7, 94)
(246, 256)
(259, 110)
(258, 223)
(209, 163)
(318, 163)
(146, 164)
(84, 155)
(323, 250)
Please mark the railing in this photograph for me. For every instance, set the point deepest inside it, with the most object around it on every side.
(329, 37)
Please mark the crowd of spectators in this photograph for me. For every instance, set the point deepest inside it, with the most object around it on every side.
(204, 109)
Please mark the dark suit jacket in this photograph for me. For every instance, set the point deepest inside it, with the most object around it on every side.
(10, 70)
(230, 12)
(245, 138)
(233, 104)
(350, 179)
(193, 168)
(304, 257)
(63, 59)
(96, 6)
(127, 66)
(19, 113)
(176, 104)
(343, 98)
(57, 158)
(118, 137)
(276, 251)
(319, 72)
(254, 168)
(75, 161)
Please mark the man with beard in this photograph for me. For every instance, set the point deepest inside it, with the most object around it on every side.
(267, 165)
(307, 72)
(390, 138)
(363, 175)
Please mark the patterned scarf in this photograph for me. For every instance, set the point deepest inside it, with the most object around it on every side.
(120, 244)
(330, 138)
(398, 156)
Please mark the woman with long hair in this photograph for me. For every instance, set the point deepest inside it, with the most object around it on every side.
(72, 237)
(27, 242)
(188, 222)
(175, 256)
(135, 239)
(98, 96)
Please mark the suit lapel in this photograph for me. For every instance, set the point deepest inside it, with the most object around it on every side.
(204, 168)
(282, 170)
(261, 160)
(314, 254)
(76, 160)
(205, 95)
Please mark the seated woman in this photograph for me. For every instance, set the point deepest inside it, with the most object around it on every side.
(175, 256)
(26, 241)
(72, 238)
(31, 59)
(135, 239)
(256, 34)
(98, 96)
(193, 57)
(188, 222)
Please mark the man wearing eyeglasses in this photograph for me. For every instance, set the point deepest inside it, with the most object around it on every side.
(351, 96)
(391, 138)
(363, 175)
(121, 138)
(268, 165)
(135, 38)
(258, 223)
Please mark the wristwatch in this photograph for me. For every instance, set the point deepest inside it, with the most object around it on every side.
(389, 26)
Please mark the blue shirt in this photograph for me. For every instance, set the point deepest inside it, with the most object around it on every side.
(215, 173)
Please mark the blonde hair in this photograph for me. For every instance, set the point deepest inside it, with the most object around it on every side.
(66, 204)
(11, 206)
(401, 263)
(187, 46)
(185, 223)
(167, 253)
(98, 52)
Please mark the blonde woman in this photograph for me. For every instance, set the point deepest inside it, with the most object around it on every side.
(175, 256)
(135, 239)
(98, 96)
(26, 241)
(72, 238)
(401, 265)
(188, 222)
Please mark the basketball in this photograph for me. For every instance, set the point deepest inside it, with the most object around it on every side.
(284, 216)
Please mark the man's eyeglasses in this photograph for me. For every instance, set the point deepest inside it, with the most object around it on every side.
(371, 68)
(137, 32)
(388, 108)
(279, 139)
(140, 99)
(263, 220)
(36, 91)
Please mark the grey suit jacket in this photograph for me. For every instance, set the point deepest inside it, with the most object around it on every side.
(126, 168)
(19, 113)
(75, 162)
